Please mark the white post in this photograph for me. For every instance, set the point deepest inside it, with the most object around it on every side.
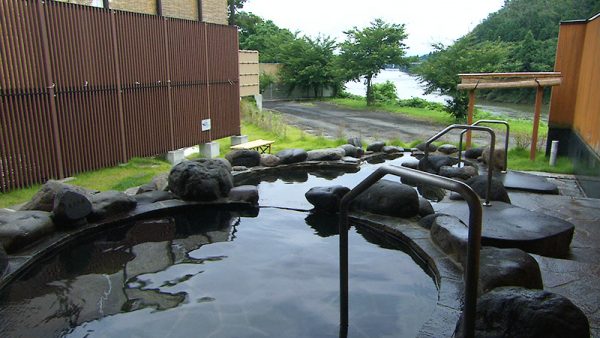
(553, 151)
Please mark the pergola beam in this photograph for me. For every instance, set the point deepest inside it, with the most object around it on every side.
(537, 80)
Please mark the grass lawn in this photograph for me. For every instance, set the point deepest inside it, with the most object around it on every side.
(133, 173)
(518, 159)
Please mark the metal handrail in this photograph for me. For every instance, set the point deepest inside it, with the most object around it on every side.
(505, 140)
(490, 157)
(473, 246)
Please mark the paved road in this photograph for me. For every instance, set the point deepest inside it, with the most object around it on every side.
(334, 121)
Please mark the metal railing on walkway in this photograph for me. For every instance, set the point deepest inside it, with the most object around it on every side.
(473, 247)
(507, 135)
(490, 157)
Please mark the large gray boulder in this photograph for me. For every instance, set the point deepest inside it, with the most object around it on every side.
(389, 198)
(447, 149)
(376, 146)
(425, 207)
(473, 153)
(21, 228)
(70, 208)
(507, 267)
(497, 191)
(462, 173)
(244, 193)
(351, 150)
(43, 200)
(153, 196)
(392, 149)
(422, 146)
(108, 203)
(289, 156)
(159, 182)
(497, 157)
(433, 163)
(244, 157)
(206, 181)
(329, 154)
(326, 199)
(451, 235)
(268, 160)
(430, 192)
(355, 141)
(214, 161)
(525, 313)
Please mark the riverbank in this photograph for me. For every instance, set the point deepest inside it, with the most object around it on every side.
(408, 86)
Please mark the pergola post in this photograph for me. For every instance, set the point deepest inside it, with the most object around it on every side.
(539, 95)
(470, 116)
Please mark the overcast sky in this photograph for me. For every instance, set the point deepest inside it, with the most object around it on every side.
(427, 21)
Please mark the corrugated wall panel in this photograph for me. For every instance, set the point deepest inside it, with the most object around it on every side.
(223, 65)
(84, 73)
(84, 88)
(26, 155)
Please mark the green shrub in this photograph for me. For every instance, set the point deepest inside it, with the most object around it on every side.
(385, 92)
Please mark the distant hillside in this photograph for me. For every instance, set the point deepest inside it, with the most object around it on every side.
(520, 37)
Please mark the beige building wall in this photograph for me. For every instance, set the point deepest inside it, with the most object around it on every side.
(249, 73)
(214, 11)
(181, 9)
(270, 68)
(137, 6)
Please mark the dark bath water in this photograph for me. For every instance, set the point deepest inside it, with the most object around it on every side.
(214, 274)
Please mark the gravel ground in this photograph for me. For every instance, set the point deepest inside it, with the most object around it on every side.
(334, 121)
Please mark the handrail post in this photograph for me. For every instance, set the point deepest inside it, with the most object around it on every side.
(490, 157)
(473, 246)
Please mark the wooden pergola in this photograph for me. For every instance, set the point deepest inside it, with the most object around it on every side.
(538, 80)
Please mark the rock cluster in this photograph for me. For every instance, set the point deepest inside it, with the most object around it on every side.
(58, 205)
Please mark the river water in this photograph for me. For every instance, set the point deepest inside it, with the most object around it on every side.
(408, 86)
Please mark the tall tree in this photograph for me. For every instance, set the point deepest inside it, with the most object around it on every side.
(310, 64)
(366, 52)
(263, 36)
(232, 7)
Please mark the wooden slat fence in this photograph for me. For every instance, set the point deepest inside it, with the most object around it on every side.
(83, 88)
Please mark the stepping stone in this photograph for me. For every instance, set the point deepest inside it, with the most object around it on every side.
(508, 226)
(527, 182)
(517, 180)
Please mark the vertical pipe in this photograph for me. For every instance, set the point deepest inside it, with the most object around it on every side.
(50, 86)
(199, 10)
(159, 8)
(553, 152)
(106, 4)
(470, 116)
(539, 94)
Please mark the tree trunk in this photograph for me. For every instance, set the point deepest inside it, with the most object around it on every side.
(370, 98)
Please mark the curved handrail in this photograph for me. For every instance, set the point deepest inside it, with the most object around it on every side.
(490, 157)
(505, 140)
(473, 244)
